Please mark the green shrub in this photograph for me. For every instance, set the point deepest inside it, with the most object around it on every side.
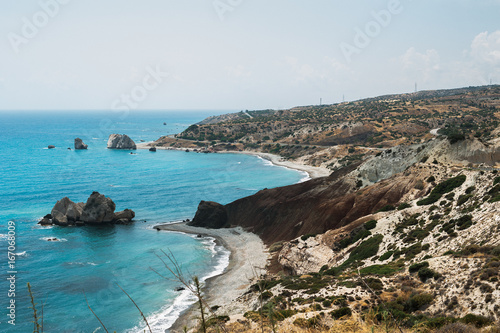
(370, 224)
(382, 270)
(366, 249)
(463, 199)
(306, 236)
(416, 267)
(431, 179)
(387, 208)
(418, 301)
(386, 255)
(476, 320)
(342, 312)
(442, 188)
(404, 205)
(426, 273)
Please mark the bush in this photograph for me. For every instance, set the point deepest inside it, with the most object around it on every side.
(387, 208)
(418, 301)
(342, 312)
(370, 224)
(386, 255)
(404, 205)
(426, 273)
(416, 267)
(476, 320)
(365, 250)
(442, 188)
(305, 237)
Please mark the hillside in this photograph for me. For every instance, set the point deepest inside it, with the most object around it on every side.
(405, 232)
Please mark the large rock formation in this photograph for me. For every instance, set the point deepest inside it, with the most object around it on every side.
(98, 209)
(66, 211)
(121, 141)
(210, 215)
(79, 145)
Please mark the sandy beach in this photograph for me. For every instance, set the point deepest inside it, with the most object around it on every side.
(313, 172)
(248, 255)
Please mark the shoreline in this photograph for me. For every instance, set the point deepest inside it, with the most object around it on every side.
(312, 171)
(247, 251)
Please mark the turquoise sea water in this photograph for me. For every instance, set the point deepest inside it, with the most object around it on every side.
(89, 262)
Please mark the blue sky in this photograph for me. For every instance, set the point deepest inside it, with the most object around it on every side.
(238, 54)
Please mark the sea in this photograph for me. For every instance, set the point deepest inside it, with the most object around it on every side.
(76, 274)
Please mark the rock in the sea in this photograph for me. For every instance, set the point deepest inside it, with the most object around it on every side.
(46, 220)
(210, 215)
(152, 149)
(98, 209)
(79, 145)
(51, 146)
(66, 212)
(121, 141)
(125, 216)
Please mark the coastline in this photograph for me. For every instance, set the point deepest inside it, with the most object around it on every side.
(247, 254)
(312, 171)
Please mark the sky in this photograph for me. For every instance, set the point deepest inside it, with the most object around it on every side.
(239, 54)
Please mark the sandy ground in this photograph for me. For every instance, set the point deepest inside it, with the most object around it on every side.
(313, 172)
(248, 256)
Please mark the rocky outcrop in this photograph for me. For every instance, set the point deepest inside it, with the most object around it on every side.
(97, 210)
(66, 212)
(51, 146)
(210, 215)
(315, 206)
(121, 141)
(79, 145)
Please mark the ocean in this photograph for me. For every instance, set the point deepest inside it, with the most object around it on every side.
(90, 264)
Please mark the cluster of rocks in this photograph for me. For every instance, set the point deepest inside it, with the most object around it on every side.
(97, 210)
(115, 141)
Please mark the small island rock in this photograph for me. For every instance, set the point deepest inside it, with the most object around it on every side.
(79, 145)
(121, 141)
(51, 146)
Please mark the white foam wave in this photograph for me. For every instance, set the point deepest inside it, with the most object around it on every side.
(305, 178)
(78, 263)
(3, 236)
(21, 254)
(53, 239)
(163, 319)
(266, 161)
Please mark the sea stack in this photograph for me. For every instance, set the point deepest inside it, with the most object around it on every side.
(97, 210)
(211, 215)
(121, 141)
(79, 145)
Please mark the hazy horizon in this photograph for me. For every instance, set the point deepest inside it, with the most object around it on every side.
(231, 55)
